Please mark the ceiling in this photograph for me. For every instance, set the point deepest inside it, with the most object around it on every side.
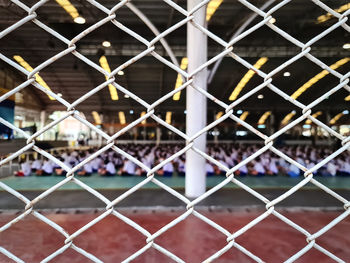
(150, 79)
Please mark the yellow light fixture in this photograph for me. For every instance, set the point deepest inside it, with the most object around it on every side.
(72, 11)
(219, 114)
(328, 16)
(38, 79)
(106, 43)
(122, 117)
(287, 118)
(244, 115)
(168, 117)
(315, 115)
(264, 117)
(347, 98)
(318, 77)
(80, 20)
(96, 117)
(178, 83)
(142, 114)
(112, 90)
(346, 46)
(212, 6)
(336, 118)
(246, 78)
(272, 20)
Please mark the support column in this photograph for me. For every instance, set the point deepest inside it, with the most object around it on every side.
(42, 123)
(196, 103)
(271, 124)
(158, 135)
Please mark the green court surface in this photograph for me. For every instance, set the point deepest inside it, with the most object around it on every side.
(118, 182)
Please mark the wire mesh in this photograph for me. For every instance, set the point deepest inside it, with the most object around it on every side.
(227, 50)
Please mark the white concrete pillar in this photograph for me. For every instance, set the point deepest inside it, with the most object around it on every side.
(271, 124)
(196, 103)
(42, 123)
(216, 135)
(158, 135)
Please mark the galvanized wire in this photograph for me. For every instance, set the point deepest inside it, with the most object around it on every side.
(227, 50)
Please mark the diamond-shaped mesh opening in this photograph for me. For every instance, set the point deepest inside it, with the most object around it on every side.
(254, 238)
(31, 226)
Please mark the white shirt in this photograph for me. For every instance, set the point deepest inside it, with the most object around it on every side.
(209, 168)
(347, 167)
(243, 169)
(224, 164)
(110, 168)
(96, 163)
(332, 168)
(88, 167)
(294, 169)
(72, 159)
(67, 164)
(36, 164)
(301, 161)
(26, 168)
(229, 160)
(168, 167)
(48, 167)
(310, 165)
(273, 167)
(129, 167)
(181, 166)
(146, 162)
(259, 168)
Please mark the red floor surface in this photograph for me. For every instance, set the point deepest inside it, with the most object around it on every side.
(192, 240)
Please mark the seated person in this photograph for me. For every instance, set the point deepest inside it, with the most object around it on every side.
(222, 172)
(344, 167)
(46, 170)
(242, 171)
(108, 169)
(36, 165)
(87, 170)
(72, 159)
(60, 170)
(309, 164)
(218, 170)
(168, 169)
(140, 171)
(181, 167)
(258, 169)
(332, 168)
(26, 169)
(118, 161)
(209, 169)
(272, 168)
(128, 169)
(96, 164)
(293, 171)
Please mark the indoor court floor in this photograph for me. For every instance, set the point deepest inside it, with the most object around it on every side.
(71, 195)
(111, 240)
(117, 182)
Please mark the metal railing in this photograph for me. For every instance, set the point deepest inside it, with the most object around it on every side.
(227, 50)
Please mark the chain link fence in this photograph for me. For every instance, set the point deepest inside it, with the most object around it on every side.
(227, 50)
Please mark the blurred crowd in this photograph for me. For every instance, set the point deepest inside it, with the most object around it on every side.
(110, 163)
